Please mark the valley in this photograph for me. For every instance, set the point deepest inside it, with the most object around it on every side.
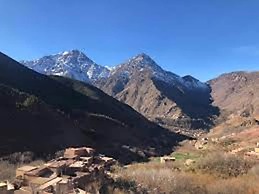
(129, 97)
(136, 113)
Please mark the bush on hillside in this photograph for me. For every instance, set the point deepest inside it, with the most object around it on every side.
(224, 165)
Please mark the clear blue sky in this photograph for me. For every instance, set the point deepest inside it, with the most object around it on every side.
(203, 38)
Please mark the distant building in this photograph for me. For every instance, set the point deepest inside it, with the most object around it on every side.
(167, 159)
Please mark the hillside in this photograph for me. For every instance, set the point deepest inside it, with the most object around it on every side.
(48, 114)
(237, 93)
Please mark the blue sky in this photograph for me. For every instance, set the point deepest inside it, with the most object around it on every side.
(203, 38)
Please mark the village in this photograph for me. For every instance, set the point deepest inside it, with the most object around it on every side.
(82, 171)
(78, 171)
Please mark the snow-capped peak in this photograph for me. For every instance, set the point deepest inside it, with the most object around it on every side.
(143, 61)
(139, 62)
(142, 58)
(193, 83)
(65, 53)
(73, 64)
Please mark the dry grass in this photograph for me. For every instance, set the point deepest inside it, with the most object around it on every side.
(7, 170)
(224, 165)
(239, 185)
(215, 174)
(9, 164)
(159, 178)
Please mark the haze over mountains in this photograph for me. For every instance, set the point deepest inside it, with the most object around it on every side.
(161, 96)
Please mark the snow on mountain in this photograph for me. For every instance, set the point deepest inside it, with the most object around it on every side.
(144, 63)
(73, 64)
(193, 83)
(76, 65)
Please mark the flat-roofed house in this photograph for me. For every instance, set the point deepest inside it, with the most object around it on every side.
(167, 159)
(73, 153)
(59, 166)
(41, 172)
(24, 169)
(49, 186)
(104, 161)
(37, 182)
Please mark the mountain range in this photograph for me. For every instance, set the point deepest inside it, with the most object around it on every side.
(161, 96)
(56, 103)
(44, 114)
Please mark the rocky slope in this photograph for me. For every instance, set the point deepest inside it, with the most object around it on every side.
(45, 114)
(160, 95)
(72, 64)
(237, 93)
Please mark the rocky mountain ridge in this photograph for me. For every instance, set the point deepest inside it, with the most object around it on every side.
(76, 65)
(144, 63)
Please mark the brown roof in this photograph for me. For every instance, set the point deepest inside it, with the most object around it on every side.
(49, 183)
(26, 168)
(57, 164)
(75, 152)
(42, 171)
(40, 180)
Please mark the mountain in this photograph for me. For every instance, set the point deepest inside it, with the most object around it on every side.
(237, 93)
(237, 96)
(161, 96)
(72, 64)
(142, 64)
(44, 114)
